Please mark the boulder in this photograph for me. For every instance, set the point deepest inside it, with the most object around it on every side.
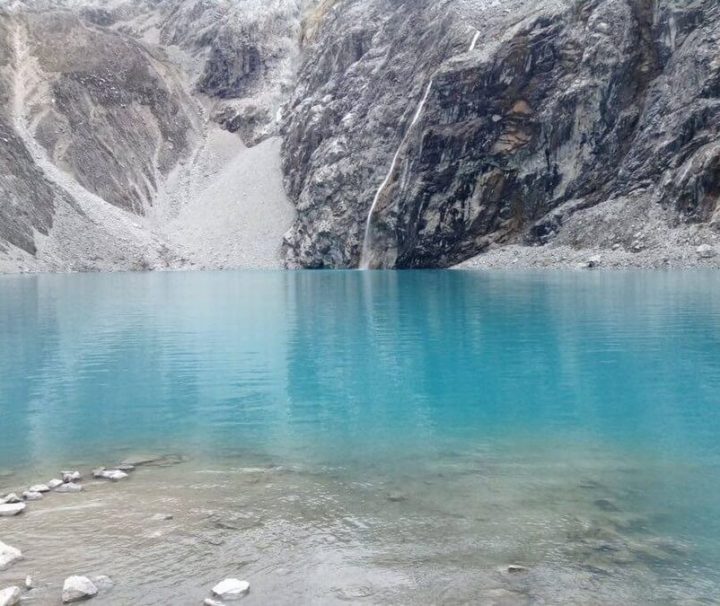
(71, 476)
(10, 596)
(29, 495)
(54, 483)
(69, 487)
(78, 588)
(11, 498)
(11, 509)
(39, 488)
(231, 589)
(705, 251)
(8, 555)
(114, 475)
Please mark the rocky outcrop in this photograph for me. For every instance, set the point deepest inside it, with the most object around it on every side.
(559, 106)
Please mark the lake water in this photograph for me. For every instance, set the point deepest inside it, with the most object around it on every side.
(369, 437)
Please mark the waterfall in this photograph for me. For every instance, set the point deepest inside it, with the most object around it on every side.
(366, 249)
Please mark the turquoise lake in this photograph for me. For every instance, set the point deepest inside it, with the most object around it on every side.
(555, 404)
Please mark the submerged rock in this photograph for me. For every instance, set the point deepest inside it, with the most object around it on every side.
(103, 582)
(11, 509)
(230, 589)
(30, 495)
(10, 596)
(8, 555)
(78, 588)
(516, 569)
(69, 487)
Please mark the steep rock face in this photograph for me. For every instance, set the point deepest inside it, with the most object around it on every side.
(558, 107)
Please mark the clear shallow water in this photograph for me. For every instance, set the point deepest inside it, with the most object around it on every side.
(460, 421)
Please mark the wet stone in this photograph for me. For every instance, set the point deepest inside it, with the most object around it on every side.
(69, 487)
(32, 496)
(11, 498)
(10, 596)
(11, 509)
(230, 589)
(39, 488)
(71, 476)
(8, 555)
(54, 483)
(77, 588)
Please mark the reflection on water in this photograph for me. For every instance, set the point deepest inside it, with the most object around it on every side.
(420, 430)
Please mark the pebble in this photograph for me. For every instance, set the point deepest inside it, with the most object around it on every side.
(54, 483)
(29, 582)
(230, 589)
(78, 588)
(30, 495)
(69, 487)
(71, 476)
(11, 509)
(39, 488)
(10, 596)
(8, 555)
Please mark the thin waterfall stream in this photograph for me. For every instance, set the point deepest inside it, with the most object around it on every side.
(365, 257)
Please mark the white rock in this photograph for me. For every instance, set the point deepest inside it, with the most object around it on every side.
(11, 509)
(29, 582)
(11, 498)
(112, 474)
(230, 589)
(78, 588)
(212, 602)
(98, 473)
(71, 476)
(594, 261)
(54, 483)
(39, 488)
(8, 555)
(29, 495)
(10, 596)
(705, 251)
(69, 487)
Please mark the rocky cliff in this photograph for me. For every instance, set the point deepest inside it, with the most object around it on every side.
(424, 133)
(532, 114)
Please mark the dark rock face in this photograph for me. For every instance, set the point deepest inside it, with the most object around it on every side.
(561, 108)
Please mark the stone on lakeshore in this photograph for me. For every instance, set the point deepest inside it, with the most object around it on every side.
(54, 483)
(11, 498)
(11, 509)
(28, 582)
(212, 602)
(97, 473)
(39, 488)
(71, 476)
(162, 517)
(231, 589)
(126, 467)
(112, 474)
(594, 261)
(10, 596)
(29, 495)
(8, 555)
(705, 251)
(69, 487)
(78, 588)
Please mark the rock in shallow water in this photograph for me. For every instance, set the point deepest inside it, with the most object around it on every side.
(69, 487)
(8, 555)
(11, 509)
(29, 495)
(10, 596)
(39, 488)
(71, 476)
(231, 589)
(54, 483)
(212, 602)
(11, 498)
(78, 588)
